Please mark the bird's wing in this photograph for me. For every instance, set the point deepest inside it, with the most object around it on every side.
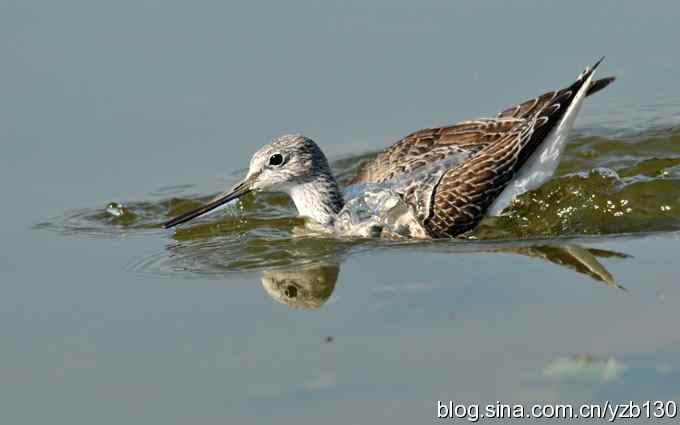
(458, 142)
(454, 144)
(463, 194)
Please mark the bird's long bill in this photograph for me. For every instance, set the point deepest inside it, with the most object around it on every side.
(236, 192)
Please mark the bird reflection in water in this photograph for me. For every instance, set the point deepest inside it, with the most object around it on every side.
(575, 257)
(307, 287)
(310, 286)
(303, 272)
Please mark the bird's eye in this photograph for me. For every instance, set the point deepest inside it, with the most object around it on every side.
(276, 159)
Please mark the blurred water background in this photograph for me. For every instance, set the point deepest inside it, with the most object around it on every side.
(156, 105)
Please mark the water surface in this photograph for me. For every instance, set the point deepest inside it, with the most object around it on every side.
(246, 318)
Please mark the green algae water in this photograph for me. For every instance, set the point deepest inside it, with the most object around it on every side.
(607, 185)
(117, 117)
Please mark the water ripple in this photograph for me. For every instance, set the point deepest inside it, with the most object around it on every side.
(605, 186)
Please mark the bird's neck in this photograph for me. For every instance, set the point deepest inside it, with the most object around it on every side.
(319, 199)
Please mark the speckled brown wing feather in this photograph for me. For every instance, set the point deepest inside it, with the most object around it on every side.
(456, 143)
(464, 193)
(532, 106)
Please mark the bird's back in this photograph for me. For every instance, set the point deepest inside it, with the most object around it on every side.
(454, 206)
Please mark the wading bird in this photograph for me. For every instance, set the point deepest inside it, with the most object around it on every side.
(489, 161)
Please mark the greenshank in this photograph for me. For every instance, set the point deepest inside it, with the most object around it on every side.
(488, 162)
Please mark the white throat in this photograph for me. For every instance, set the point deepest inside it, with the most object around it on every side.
(319, 200)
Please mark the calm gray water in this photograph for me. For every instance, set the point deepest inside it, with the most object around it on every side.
(111, 322)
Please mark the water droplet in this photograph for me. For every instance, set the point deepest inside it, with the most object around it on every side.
(115, 209)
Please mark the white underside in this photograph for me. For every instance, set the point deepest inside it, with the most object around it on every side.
(542, 164)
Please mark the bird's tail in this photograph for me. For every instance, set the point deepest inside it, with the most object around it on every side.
(598, 85)
(464, 193)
